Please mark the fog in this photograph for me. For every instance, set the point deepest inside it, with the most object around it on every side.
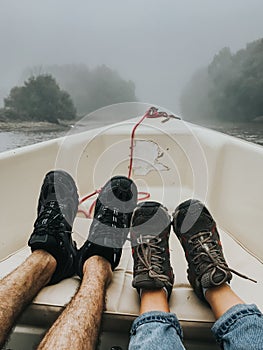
(157, 44)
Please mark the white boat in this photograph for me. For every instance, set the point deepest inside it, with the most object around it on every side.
(172, 161)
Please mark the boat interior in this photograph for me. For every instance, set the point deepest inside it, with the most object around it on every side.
(173, 161)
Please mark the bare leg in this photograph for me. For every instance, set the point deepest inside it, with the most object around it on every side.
(221, 299)
(156, 327)
(154, 300)
(21, 286)
(78, 326)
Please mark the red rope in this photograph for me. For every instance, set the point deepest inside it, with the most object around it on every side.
(88, 214)
(151, 113)
(132, 144)
(146, 196)
(88, 196)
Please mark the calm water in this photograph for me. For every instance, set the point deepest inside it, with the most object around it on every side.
(252, 132)
(18, 138)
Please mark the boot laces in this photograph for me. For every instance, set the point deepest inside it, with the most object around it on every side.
(113, 217)
(51, 218)
(112, 226)
(150, 258)
(208, 256)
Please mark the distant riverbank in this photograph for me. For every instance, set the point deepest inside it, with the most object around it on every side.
(13, 135)
(32, 126)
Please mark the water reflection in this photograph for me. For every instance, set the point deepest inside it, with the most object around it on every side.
(13, 139)
(252, 132)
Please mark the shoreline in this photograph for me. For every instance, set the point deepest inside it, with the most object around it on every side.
(7, 126)
(19, 134)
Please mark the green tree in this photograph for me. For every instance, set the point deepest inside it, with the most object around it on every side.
(194, 101)
(40, 99)
(231, 86)
(90, 89)
(108, 88)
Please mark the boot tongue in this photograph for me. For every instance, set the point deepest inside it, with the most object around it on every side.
(124, 189)
(153, 222)
(195, 222)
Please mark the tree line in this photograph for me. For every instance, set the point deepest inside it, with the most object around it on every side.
(229, 89)
(64, 92)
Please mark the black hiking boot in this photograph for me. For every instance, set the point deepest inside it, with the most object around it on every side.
(150, 231)
(198, 234)
(57, 208)
(111, 223)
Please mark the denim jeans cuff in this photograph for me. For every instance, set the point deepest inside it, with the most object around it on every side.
(157, 316)
(226, 321)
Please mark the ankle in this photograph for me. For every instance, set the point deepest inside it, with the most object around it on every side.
(154, 300)
(97, 266)
(45, 256)
(89, 250)
(221, 299)
(43, 263)
(215, 292)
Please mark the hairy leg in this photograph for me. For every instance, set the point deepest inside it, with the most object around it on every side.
(19, 287)
(221, 299)
(78, 326)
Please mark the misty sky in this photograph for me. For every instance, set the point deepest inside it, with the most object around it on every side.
(156, 43)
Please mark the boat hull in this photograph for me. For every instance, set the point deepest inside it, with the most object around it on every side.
(173, 162)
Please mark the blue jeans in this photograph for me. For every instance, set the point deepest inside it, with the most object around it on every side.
(241, 327)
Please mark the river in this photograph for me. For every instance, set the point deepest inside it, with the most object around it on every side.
(19, 136)
(252, 132)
